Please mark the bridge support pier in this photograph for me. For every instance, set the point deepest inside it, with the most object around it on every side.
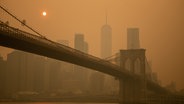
(132, 91)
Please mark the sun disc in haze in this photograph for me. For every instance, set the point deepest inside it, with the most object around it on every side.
(44, 13)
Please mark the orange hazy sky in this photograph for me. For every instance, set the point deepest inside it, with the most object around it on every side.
(161, 24)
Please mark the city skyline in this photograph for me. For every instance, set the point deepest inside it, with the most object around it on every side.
(160, 35)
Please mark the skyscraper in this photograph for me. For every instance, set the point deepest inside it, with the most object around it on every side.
(106, 41)
(67, 71)
(133, 38)
(81, 72)
(16, 72)
(80, 43)
(55, 75)
(24, 72)
(106, 51)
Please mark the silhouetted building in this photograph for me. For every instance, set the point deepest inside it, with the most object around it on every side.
(57, 72)
(80, 44)
(24, 73)
(39, 72)
(2, 77)
(47, 75)
(86, 47)
(133, 38)
(67, 73)
(106, 51)
(15, 72)
(81, 73)
(55, 75)
(96, 83)
(106, 41)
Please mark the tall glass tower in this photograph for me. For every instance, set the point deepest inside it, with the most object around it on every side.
(106, 41)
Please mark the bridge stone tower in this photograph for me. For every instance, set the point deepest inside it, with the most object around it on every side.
(132, 90)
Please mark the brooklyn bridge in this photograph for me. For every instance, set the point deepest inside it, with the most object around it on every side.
(135, 87)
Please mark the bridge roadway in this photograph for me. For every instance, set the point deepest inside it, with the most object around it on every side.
(14, 38)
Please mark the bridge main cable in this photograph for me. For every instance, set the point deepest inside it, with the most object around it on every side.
(21, 21)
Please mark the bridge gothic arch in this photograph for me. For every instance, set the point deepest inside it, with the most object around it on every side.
(128, 65)
(133, 60)
(137, 66)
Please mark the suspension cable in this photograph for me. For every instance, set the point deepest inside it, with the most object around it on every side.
(20, 21)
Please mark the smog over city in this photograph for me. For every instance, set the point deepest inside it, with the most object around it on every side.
(92, 51)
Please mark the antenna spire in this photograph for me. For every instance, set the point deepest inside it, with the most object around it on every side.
(106, 16)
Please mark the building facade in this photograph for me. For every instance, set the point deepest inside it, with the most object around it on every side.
(106, 41)
(24, 73)
(133, 38)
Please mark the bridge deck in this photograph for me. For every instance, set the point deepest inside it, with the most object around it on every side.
(17, 39)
